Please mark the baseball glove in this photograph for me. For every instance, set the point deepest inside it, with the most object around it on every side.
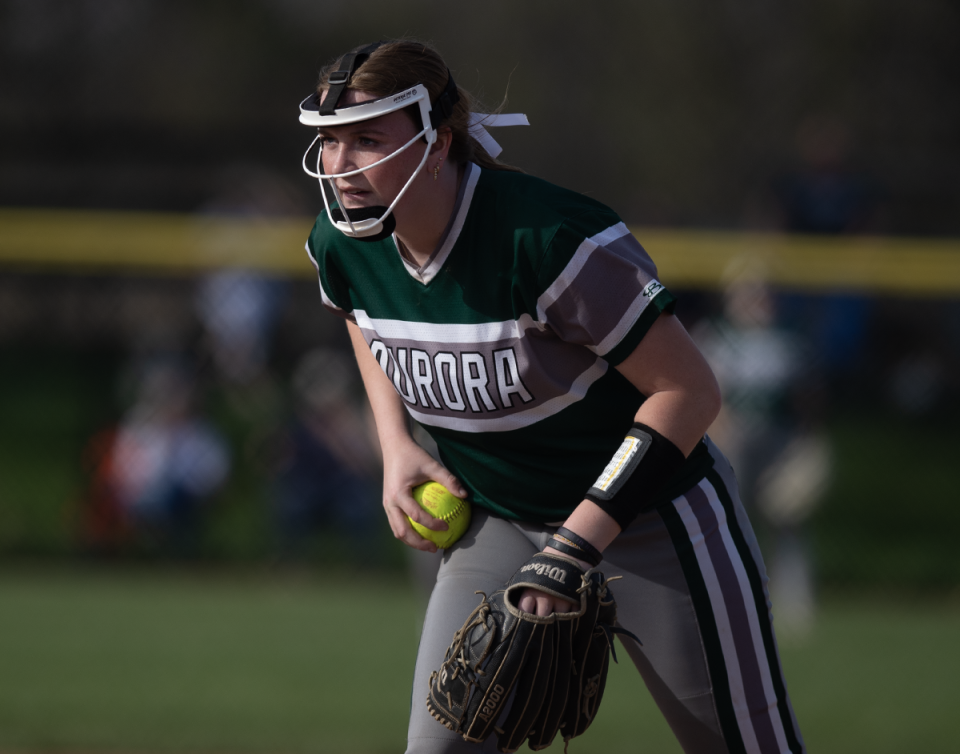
(525, 676)
(592, 649)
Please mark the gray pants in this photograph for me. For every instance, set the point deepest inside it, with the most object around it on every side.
(693, 590)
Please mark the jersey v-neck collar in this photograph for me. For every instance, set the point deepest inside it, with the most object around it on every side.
(435, 263)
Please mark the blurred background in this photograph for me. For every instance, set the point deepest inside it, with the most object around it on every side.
(189, 488)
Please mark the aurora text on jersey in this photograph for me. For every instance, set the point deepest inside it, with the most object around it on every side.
(516, 320)
(478, 378)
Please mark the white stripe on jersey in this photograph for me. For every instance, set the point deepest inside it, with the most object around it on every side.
(521, 418)
(427, 332)
(576, 263)
(725, 631)
(434, 265)
(323, 294)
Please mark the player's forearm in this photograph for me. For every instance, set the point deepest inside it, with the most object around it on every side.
(683, 397)
(681, 412)
(590, 522)
(388, 411)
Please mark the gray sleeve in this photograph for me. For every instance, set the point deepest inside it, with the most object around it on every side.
(608, 286)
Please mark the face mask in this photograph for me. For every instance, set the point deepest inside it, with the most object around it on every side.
(366, 223)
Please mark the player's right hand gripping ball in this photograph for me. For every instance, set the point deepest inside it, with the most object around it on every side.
(440, 503)
(557, 664)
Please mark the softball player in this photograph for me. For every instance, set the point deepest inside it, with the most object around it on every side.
(525, 329)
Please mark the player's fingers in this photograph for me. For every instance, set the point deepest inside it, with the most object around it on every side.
(423, 518)
(544, 605)
(538, 603)
(434, 523)
(396, 522)
(440, 473)
(414, 512)
(396, 515)
(403, 531)
(528, 603)
(407, 509)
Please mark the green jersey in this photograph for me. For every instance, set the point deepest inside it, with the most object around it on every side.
(503, 344)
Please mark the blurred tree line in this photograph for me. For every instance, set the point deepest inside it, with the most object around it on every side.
(675, 113)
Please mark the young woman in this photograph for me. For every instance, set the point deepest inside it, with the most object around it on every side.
(523, 326)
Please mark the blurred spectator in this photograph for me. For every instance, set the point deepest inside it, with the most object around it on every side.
(104, 529)
(166, 462)
(917, 381)
(825, 194)
(323, 463)
(238, 309)
(768, 428)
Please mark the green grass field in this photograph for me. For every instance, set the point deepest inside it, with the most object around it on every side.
(162, 661)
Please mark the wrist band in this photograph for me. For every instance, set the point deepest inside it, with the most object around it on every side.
(644, 462)
(571, 537)
(574, 552)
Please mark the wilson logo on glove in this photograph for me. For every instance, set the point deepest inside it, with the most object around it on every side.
(557, 574)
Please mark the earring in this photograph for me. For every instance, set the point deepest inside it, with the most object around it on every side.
(436, 172)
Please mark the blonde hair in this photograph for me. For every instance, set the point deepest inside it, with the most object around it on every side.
(398, 65)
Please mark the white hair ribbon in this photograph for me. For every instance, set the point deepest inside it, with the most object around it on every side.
(480, 122)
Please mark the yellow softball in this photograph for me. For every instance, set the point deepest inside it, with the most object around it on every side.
(440, 503)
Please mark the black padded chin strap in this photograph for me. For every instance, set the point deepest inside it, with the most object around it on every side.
(389, 223)
(337, 81)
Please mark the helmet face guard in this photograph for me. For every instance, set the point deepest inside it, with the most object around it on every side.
(369, 223)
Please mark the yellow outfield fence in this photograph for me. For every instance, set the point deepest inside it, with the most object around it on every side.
(167, 243)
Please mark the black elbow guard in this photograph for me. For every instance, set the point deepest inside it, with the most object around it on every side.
(645, 462)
